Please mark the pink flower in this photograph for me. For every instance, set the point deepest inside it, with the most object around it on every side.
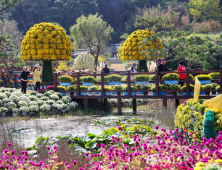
(9, 144)
(74, 162)
(120, 128)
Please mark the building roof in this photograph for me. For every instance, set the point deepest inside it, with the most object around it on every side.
(113, 48)
(81, 51)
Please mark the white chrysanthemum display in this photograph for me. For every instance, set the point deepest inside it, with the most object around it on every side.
(2, 96)
(40, 102)
(14, 98)
(8, 94)
(15, 110)
(11, 105)
(22, 103)
(17, 93)
(50, 102)
(54, 97)
(25, 99)
(44, 98)
(6, 100)
(39, 95)
(56, 107)
(65, 107)
(45, 108)
(59, 102)
(83, 61)
(33, 108)
(72, 105)
(33, 98)
(24, 109)
(4, 110)
(33, 103)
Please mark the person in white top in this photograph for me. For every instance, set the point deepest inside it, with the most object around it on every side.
(133, 70)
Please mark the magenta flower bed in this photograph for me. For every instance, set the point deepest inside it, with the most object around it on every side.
(50, 88)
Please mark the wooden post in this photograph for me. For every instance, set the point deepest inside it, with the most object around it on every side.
(157, 82)
(15, 79)
(78, 84)
(128, 83)
(165, 103)
(134, 106)
(86, 103)
(94, 74)
(221, 80)
(177, 102)
(102, 83)
(105, 104)
(187, 81)
(55, 81)
(5, 81)
(119, 105)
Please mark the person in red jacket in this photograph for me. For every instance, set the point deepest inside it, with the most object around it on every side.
(182, 75)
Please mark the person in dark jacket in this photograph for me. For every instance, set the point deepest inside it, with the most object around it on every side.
(24, 79)
(162, 67)
(106, 69)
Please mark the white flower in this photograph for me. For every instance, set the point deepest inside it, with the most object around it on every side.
(66, 99)
(33, 109)
(25, 99)
(15, 110)
(56, 107)
(73, 105)
(14, 98)
(40, 102)
(44, 98)
(6, 100)
(33, 98)
(24, 109)
(8, 94)
(50, 102)
(59, 102)
(48, 93)
(39, 95)
(58, 94)
(54, 97)
(3, 110)
(22, 103)
(45, 108)
(33, 103)
(33, 93)
(65, 107)
(11, 105)
(2, 96)
(17, 93)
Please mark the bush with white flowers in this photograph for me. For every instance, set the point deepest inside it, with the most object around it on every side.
(24, 109)
(58, 94)
(25, 99)
(39, 95)
(48, 93)
(14, 98)
(8, 94)
(33, 93)
(65, 107)
(56, 107)
(4, 110)
(6, 100)
(54, 97)
(45, 108)
(72, 105)
(65, 100)
(50, 102)
(22, 103)
(17, 93)
(33, 109)
(11, 105)
(1, 103)
(44, 98)
(2, 96)
(40, 102)
(16, 110)
(59, 102)
(33, 103)
(33, 98)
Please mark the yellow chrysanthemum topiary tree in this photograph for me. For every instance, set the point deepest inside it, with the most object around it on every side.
(46, 42)
(134, 49)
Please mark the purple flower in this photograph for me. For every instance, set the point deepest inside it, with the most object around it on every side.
(74, 162)
(9, 144)
(156, 127)
(87, 154)
(48, 148)
(120, 128)
(66, 163)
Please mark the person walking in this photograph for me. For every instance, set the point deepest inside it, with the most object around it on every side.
(158, 62)
(24, 77)
(162, 67)
(182, 75)
(133, 70)
(106, 69)
(36, 74)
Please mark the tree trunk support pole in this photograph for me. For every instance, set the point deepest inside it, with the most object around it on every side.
(165, 103)
(105, 104)
(177, 102)
(134, 106)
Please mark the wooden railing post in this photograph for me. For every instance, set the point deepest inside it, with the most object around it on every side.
(78, 84)
(5, 80)
(128, 83)
(102, 83)
(157, 82)
(187, 81)
(221, 80)
(15, 80)
(94, 74)
(55, 81)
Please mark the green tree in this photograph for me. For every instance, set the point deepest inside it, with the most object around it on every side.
(9, 59)
(205, 9)
(93, 33)
(6, 4)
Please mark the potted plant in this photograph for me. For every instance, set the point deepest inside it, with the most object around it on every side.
(24, 110)
(6, 100)
(40, 102)
(113, 79)
(146, 87)
(131, 88)
(185, 87)
(117, 87)
(214, 87)
(88, 80)
(207, 87)
(171, 78)
(215, 76)
(3, 111)
(174, 87)
(161, 87)
(11, 105)
(2, 96)
(73, 106)
(56, 107)
(218, 90)
(33, 109)
(108, 88)
(64, 107)
(15, 112)
(62, 88)
(83, 88)
(141, 79)
(45, 108)
(204, 79)
(72, 88)
(94, 88)
(139, 87)
(50, 88)
(152, 77)
(65, 80)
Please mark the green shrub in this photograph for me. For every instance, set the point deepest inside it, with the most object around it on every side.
(139, 86)
(217, 88)
(185, 87)
(146, 87)
(202, 108)
(65, 79)
(131, 88)
(207, 87)
(61, 88)
(72, 87)
(214, 75)
(203, 77)
(141, 78)
(171, 76)
(161, 87)
(108, 88)
(118, 87)
(174, 87)
(93, 88)
(152, 77)
(214, 85)
(113, 77)
(88, 79)
(83, 88)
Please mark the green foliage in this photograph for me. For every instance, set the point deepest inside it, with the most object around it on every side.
(93, 88)
(152, 77)
(191, 87)
(161, 87)
(91, 32)
(72, 87)
(203, 77)
(113, 77)
(146, 87)
(65, 79)
(217, 88)
(83, 87)
(214, 85)
(207, 87)
(205, 9)
(131, 88)
(88, 79)
(215, 75)
(61, 88)
(141, 78)
(6, 4)
(118, 87)
(171, 76)
(174, 87)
